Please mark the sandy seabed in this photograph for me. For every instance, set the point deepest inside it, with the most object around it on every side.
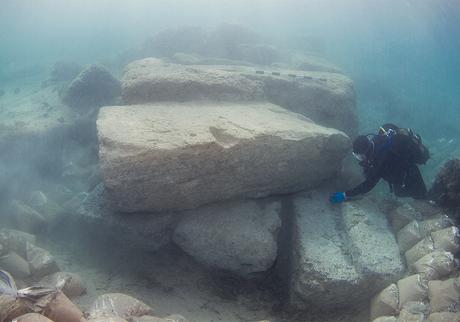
(172, 283)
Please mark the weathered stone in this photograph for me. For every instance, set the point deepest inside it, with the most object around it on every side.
(240, 237)
(179, 156)
(331, 265)
(93, 87)
(100, 223)
(326, 98)
(151, 80)
(372, 245)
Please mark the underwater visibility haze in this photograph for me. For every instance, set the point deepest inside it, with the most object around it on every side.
(175, 160)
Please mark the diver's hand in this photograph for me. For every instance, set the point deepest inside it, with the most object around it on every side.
(338, 197)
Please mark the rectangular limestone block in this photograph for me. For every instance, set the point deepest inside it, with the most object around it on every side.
(175, 156)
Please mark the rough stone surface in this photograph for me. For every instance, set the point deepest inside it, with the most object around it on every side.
(332, 266)
(181, 156)
(93, 87)
(151, 80)
(240, 237)
(372, 245)
(326, 98)
(138, 230)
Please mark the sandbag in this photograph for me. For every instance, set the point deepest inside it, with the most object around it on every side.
(412, 288)
(439, 222)
(59, 308)
(435, 265)
(401, 216)
(416, 307)
(108, 318)
(175, 318)
(15, 265)
(446, 239)
(409, 235)
(148, 318)
(25, 218)
(422, 248)
(32, 317)
(16, 241)
(118, 304)
(169, 318)
(11, 307)
(444, 295)
(42, 263)
(69, 283)
(386, 302)
(406, 316)
(386, 319)
(444, 317)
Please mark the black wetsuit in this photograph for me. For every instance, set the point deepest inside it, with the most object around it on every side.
(392, 161)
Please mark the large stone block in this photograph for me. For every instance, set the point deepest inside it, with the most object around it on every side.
(333, 264)
(180, 156)
(151, 80)
(240, 237)
(326, 98)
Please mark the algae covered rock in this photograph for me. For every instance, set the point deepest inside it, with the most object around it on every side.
(240, 237)
(446, 187)
(93, 87)
(181, 156)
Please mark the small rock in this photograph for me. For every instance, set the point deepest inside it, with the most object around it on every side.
(15, 265)
(117, 304)
(25, 218)
(41, 261)
(93, 87)
(70, 284)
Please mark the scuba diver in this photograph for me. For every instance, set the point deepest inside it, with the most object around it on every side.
(391, 155)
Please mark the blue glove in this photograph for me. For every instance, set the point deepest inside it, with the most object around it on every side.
(338, 197)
